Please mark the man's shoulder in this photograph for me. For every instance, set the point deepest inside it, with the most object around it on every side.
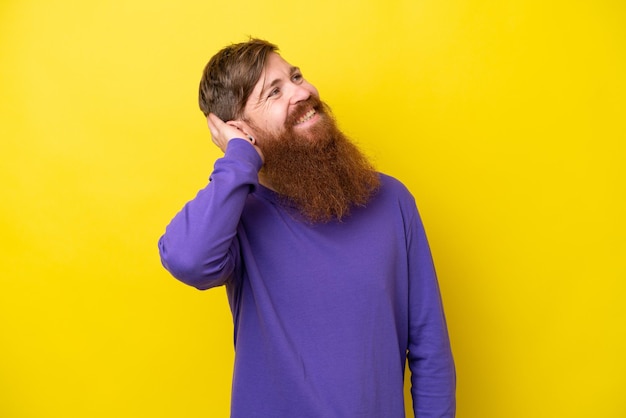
(393, 186)
(394, 193)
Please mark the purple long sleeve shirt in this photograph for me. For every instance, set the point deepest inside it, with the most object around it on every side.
(325, 315)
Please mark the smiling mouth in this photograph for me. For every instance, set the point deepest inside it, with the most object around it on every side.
(308, 115)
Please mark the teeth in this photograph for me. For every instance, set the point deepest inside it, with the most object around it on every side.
(308, 115)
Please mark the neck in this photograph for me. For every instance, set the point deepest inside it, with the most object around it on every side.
(263, 181)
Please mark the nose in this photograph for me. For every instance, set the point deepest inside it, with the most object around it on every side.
(300, 93)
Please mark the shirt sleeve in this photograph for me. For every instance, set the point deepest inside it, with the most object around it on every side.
(200, 246)
(433, 379)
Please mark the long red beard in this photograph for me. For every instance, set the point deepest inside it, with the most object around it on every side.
(319, 171)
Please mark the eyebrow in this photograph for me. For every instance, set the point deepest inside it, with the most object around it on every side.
(293, 70)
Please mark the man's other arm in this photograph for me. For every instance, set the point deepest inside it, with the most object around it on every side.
(199, 246)
(433, 379)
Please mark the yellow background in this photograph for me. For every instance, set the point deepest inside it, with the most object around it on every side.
(507, 120)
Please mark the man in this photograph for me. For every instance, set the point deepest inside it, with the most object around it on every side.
(325, 261)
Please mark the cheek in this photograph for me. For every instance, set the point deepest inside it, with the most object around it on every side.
(271, 124)
(276, 118)
(268, 120)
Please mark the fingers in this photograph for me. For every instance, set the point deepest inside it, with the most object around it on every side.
(215, 124)
(228, 130)
(222, 132)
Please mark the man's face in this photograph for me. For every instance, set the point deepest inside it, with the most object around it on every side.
(279, 102)
(296, 132)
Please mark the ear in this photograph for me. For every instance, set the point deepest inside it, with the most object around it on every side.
(241, 125)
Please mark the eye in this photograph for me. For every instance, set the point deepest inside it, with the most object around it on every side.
(297, 78)
(273, 92)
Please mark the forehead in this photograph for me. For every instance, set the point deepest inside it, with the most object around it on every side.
(275, 63)
(275, 68)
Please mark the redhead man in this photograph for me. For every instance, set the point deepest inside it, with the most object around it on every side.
(325, 261)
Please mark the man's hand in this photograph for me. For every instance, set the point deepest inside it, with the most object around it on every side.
(222, 132)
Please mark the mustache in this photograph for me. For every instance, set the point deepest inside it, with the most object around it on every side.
(302, 107)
